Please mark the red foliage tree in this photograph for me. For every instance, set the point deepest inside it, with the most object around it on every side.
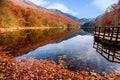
(112, 15)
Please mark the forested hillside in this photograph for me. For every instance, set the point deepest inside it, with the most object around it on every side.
(111, 18)
(15, 13)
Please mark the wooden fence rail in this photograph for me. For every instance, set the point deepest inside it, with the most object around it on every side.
(108, 33)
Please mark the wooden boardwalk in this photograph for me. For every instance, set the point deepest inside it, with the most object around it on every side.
(108, 35)
(107, 42)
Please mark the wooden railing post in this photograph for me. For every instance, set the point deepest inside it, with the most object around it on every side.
(99, 32)
(109, 31)
(117, 34)
(111, 36)
(104, 33)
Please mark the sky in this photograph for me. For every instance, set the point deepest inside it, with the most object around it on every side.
(78, 8)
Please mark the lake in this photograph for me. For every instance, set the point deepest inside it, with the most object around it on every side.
(78, 53)
(22, 41)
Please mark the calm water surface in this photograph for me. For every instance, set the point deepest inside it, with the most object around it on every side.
(23, 41)
(79, 51)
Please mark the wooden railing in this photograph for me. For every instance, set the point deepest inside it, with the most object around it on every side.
(108, 33)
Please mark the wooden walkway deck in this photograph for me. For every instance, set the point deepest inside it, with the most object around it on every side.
(108, 35)
(107, 42)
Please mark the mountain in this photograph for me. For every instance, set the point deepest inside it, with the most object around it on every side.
(81, 21)
(65, 14)
(25, 13)
(84, 20)
(89, 24)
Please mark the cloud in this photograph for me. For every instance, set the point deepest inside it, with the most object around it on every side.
(103, 4)
(61, 7)
(54, 5)
(42, 3)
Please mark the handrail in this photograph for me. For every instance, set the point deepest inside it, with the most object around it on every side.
(109, 33)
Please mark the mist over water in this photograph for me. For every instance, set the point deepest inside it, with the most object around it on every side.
(80, 54)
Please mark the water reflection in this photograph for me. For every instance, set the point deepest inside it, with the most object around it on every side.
(80, 54)
(20, 42)
(111, 53)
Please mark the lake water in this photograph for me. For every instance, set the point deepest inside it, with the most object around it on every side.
(78, 53)
(23, 41)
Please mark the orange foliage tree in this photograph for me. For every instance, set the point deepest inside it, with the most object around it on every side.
(112, 15)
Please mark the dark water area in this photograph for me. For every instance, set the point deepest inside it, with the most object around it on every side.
(78, 53)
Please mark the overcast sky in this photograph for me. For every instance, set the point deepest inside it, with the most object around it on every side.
(78, 8)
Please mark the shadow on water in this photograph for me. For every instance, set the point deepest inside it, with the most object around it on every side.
(79, 52)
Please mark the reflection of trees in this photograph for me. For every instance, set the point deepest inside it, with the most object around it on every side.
(15, 41)
(45, 33)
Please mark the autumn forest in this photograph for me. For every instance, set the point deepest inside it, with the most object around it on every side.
(38, 43)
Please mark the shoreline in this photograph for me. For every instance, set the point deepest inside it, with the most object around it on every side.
(11, 29)
(46, 69)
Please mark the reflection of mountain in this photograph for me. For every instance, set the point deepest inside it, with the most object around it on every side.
(74, 35)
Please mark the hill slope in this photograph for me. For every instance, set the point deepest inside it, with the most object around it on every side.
(65, 14)
(25, 13)
(111, 18)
